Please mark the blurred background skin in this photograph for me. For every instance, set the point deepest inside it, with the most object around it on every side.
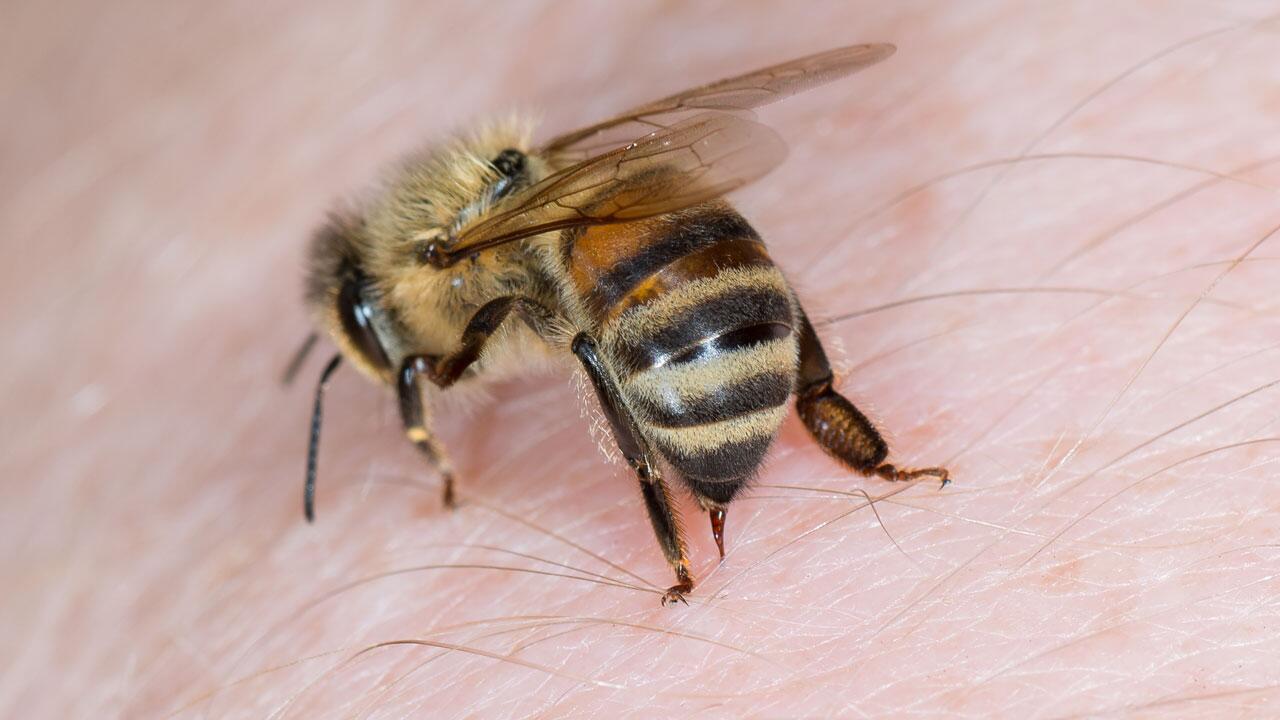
(1092, 349)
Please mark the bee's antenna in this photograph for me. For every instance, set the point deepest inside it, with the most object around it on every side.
(291, 370)
(313, 448)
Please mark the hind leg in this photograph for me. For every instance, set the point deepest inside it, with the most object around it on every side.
(657, 498)
(838, 426)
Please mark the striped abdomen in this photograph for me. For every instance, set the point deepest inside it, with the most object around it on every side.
(698, 325)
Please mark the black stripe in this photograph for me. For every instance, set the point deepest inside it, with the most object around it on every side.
(720, 491)
(733, 340)
(684, 235)
(754, 394)
(731, 461)
(739, 308)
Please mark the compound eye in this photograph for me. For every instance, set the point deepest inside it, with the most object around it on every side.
(357, 322)
(509, 163)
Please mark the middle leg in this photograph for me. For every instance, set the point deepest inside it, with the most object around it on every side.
(446, 370)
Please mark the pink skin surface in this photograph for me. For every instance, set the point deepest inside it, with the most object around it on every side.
(1048, 230)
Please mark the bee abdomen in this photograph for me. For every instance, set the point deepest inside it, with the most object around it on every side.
(717, 434)
(674, 239)
(711, 384)
(714, 418)
(614, 268)
(699, 327)
(743, 314)
(670, 410)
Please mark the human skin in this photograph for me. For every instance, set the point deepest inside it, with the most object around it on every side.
(1076, 198)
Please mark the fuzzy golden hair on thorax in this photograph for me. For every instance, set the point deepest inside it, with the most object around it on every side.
(438, 190)
(439, 183)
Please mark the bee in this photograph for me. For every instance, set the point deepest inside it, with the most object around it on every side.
(612, 243)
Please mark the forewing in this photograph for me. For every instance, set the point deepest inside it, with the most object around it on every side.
(693, 161)
(732, 95)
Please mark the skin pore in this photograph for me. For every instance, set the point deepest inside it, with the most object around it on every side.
(1041, 242)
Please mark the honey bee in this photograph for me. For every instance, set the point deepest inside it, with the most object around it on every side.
(613, 243)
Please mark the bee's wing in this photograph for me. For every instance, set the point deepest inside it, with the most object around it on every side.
(693, 161)
(731, 95)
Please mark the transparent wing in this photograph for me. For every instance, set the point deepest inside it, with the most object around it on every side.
(732, 95)
(693, 161)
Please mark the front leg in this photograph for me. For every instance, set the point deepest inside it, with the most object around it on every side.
(445, 371)
(839, 427)
(657, 498)
(413, 414)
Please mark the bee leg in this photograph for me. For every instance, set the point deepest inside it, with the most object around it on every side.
(666, 526)
(657, 497)
(839, 427)
(413, 413)
(445, 371)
